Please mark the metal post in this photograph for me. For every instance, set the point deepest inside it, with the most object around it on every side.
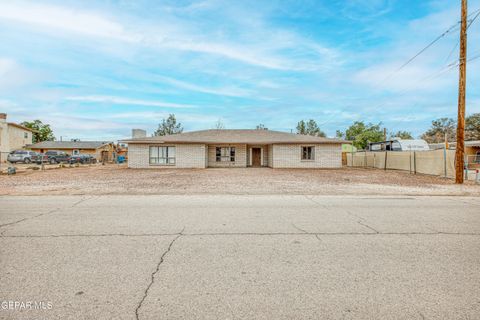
(410, 162)
(386, 156)
(445, 160)
(414, 162)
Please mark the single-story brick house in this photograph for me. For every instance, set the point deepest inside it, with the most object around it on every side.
(234, 148)
(101, 150)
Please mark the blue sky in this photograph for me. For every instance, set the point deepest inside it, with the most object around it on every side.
(97, 69)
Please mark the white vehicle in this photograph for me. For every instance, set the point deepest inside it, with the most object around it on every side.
(397, 144)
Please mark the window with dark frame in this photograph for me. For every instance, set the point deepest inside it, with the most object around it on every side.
(308, 153)
(162, 155)
(225, 154)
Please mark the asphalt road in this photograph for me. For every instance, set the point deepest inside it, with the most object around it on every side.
(240, 257)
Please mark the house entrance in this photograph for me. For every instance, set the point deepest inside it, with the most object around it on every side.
(256, 157)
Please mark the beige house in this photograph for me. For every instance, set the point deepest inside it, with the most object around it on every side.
(234, 149)
(101, 150)
(12, 136)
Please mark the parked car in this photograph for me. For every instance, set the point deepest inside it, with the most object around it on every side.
(40, 158)
(82, 158)
(21, 156)
(55, 156)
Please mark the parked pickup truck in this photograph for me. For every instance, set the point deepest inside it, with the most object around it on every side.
(57, 156)
(40, 158)
(82, 158)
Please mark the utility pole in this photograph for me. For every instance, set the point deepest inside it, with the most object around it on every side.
(460, 148)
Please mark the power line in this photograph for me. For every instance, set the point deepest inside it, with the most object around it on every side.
(442, 70)
(445, 33)
(438, 73)
(458, 41)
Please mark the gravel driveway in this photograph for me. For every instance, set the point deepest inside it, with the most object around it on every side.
(118, 179)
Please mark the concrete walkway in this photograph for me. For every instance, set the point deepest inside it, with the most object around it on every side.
(240, 257)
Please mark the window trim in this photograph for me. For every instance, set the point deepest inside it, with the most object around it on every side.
(231, 154)
(167, 163)
(312, 153)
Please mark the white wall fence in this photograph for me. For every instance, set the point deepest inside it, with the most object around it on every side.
(434, 162)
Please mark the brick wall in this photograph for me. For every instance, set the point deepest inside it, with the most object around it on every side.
(276, 156)
(289, 156)
(187, 156)
(240, 156)
(270, 156)
(191, 155)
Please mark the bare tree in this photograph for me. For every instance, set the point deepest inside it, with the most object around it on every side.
(219, 125)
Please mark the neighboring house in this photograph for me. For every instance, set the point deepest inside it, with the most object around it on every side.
(101, 150)
(12, 136)
(234, 148)
(472, 151)
(347, 148)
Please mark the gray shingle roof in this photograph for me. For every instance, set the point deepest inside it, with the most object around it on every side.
(68, 145)
(243, 136)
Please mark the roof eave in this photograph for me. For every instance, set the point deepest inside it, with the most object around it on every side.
(235, 142)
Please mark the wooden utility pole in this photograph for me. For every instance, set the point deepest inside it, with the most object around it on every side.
(460, 148)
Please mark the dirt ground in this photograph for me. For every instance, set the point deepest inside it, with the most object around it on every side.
(118, 179)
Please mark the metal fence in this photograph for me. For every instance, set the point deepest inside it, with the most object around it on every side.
(434, 162)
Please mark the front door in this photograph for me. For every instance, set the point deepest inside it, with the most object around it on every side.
(256, 157)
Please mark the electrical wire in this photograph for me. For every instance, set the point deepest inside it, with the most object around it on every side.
(445, 33)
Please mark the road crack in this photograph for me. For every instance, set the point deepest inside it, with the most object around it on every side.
(245, 234)
(152, 278)
(299, 229)
(38, 216)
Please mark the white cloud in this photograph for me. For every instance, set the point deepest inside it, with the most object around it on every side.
(13, 75)
(64, 19)
(223, 91)
(126, 101)
(261, 48)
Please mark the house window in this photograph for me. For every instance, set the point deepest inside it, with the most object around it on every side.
(225, 154)
(477, 157)
(308, 153)
(162, 155)
(25, 135)
(75, 152)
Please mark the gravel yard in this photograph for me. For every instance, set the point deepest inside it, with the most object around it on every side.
(118, 179)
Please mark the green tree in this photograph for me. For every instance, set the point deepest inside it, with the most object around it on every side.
(339, 134)
(472, 127)
(438, 130)
(41, 131)
(309, 128)
(361, 134)
(261, 126)
(169, 126)
(402, 135)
